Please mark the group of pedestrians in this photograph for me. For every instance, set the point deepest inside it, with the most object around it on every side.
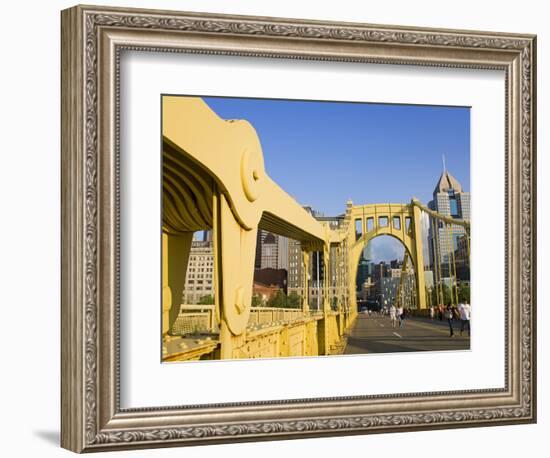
(451, 313)
(396, 316)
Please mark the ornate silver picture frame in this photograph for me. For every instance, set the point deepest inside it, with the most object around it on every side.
(93, 40)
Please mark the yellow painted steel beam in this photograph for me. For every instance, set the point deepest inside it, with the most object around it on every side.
(401, 277)
(230, 152)
(458, 222)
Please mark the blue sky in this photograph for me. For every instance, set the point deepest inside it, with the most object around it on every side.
(324, 153)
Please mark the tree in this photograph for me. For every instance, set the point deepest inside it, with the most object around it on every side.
(447, 298)
(294, 301)
(278, 301)
(435, 299)
(206, 300)
(464, 293)
(256, 300)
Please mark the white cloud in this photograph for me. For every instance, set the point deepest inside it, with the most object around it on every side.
(386, 248)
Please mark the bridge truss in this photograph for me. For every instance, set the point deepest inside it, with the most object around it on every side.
(214, 178)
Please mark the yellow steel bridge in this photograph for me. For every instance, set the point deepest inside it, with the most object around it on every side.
(214, 178)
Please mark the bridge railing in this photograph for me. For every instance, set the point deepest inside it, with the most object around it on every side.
(197, 318)
(264, 315)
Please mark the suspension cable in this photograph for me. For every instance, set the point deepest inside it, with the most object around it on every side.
(440, 254)
(434, 252)
(454, 267)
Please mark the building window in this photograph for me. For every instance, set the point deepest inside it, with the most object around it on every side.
(456, 238)
(454, 207)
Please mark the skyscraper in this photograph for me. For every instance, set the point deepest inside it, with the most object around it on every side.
(269, 252)
(282, 252)
(272, 251)
(316, 272)
(294, 266)
(199, 279)
(451, 200)
(362, 271)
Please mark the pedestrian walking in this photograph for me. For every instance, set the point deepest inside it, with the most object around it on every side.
(432, 312)
(456, 314)
(449, 317)
(465, 312)
(400, 315)
(393, 315)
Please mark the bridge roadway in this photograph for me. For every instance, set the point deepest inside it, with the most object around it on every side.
(375, 334)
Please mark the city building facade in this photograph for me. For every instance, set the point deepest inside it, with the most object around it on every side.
(451, 200)
(199, 278)
(462, 259)
(388, 287)
(269, 252)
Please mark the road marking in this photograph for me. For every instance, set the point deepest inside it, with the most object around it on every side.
(398, 335)
(442, 328)
(381, 324)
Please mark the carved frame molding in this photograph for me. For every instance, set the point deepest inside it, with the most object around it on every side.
(92, 40)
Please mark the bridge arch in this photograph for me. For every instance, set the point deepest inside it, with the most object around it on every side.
(401, 221)
(407, 257)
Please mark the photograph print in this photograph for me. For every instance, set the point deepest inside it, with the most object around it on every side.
(301, 228)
